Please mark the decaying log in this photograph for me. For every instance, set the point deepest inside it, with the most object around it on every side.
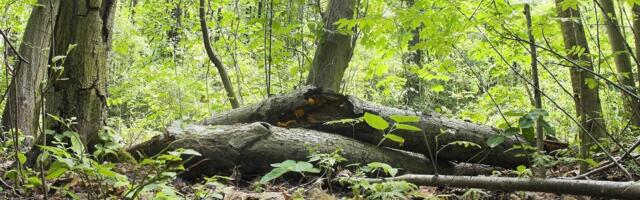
(251, 148)
(312, 107)
(608, 189)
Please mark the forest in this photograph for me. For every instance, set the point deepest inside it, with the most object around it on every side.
(319, 99)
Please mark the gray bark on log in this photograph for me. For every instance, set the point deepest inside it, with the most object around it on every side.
(253, 147)
(311, 107)
(609, 189)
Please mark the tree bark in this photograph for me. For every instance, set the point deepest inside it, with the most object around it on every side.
(539, 131)
(587, 99)
(312, 107)
(334, 49)
(80, 91)
(226, 82)
(621, 58)
(251, 148)
(23, 104)
(608, 189)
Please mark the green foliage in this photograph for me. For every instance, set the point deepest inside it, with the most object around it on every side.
(379, 123)
(288, 166)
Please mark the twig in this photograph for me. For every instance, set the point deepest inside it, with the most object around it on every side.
(6, 38)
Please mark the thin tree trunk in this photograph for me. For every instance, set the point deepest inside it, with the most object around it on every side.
(540, 170)
(414, 59)
(226, 82)
(80, 91)
(607, 189)
(621, 58)
(587, 99)
(22, 109)
(334, 49)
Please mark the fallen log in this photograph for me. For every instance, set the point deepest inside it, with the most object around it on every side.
(251, 148)
(608, 189)
(311, 108)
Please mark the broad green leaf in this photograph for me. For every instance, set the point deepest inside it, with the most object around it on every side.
(404, 118)
(56, 169)
(526, 121)
(273, 174)
(394, 137)
(495, 140)
(375, 121)
(384, 166)
(22, 158)
(407, 127)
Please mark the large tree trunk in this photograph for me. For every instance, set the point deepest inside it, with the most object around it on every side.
(23, 106)
(608, 189)
(251, 148)
(621, 58)
(334, 49)
(587, 99)
(80, 91)
(311, 107)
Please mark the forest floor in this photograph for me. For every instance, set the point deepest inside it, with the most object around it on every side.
(288, 188)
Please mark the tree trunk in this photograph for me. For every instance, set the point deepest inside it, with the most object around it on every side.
(312, 107)
(413, 59)
(621, 58)
(226, 82)
(539, 170)
(334, 49)
(80, 91)
(253, 147)
(23, 104)
(587, 99)
(607, 189)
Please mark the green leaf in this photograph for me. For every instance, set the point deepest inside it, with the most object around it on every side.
(404, 118)
(591, 83)
(407, 127)
(273, 174)
(385, 167)
(511, 131)
(394, 137)
(76, 143)
(375, 121)
(56, 169)
(57, 58)
(528, 134)
(437, 88)
(22, 158)
(495, 140)
(526, 121)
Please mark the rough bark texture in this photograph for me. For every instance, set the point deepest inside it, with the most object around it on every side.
(587, 100)
(621, 58)
(334, 49)
(311, 107)
(608, 189)
(226, 82)
(251, 148)
(80, 92)
(23, 104)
